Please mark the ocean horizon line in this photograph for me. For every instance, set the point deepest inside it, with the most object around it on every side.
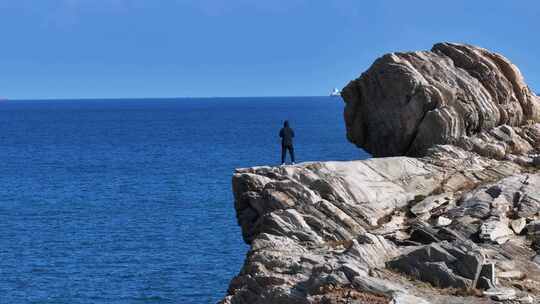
(158, 98)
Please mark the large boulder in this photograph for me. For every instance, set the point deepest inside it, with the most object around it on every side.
(443, 265)
(406, 103)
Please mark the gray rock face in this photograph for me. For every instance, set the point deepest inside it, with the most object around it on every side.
(453, 94)
(321, 231)
(443, 265)
(465, 215)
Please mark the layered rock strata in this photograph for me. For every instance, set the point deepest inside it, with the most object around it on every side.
(458, 224)
(334, 232)
(454, 94)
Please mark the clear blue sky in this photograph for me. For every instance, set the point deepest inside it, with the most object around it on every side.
(172, 48)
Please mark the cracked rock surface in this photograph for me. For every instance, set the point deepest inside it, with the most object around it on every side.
(454, 94)
(319, 230)
(457, 223)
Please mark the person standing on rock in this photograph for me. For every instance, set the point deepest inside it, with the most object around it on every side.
(287, 135)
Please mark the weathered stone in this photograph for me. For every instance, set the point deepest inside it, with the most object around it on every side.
(501, 294)
(469, 258)
(477, 208)
(500, 207)
(536, 161)
(536, 259)
(432, 202)
(451, 235)
(518, 225)
(526, 299)
(494, 191)
(463, 227)
(374, 253)
(495, 231)
(396, 224)
(515, 274)
(487, 273)
(454, 94)
(424, 234)
(403, 298)
(331, 223)
(442, 265)
(529, 203)
(484, 283)
(443, 221)
(533, 233)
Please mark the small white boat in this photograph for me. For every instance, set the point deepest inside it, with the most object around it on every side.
(335, 92)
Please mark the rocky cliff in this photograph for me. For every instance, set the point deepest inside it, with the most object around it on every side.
(457, 224)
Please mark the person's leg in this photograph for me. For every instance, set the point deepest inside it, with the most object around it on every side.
(283, 151)
(291, 152)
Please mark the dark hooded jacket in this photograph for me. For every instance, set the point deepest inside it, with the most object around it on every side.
(286, 134)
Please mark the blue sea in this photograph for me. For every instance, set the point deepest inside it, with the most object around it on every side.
(129, 201)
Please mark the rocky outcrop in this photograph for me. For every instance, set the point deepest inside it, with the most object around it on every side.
(458, 224)
(371, 229)
(454, 94)
(445, 265)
